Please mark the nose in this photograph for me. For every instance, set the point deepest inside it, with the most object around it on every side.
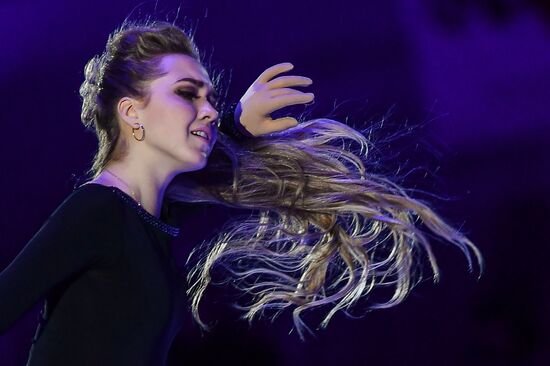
(208, 112)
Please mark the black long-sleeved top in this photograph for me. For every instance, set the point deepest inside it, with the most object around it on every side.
(113, 292)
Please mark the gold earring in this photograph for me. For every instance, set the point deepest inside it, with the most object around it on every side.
(142, 134)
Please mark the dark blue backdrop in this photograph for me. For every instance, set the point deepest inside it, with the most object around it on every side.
(474, 72)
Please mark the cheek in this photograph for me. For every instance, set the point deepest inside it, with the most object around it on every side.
(170, 118)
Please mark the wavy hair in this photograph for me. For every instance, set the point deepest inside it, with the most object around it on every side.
(324, 228)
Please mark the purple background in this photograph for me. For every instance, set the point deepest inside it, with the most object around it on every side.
(475, 73)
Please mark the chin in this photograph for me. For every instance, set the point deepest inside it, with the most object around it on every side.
(197, 164)
(192, 159)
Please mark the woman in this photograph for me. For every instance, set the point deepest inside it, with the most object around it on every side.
(325, 230)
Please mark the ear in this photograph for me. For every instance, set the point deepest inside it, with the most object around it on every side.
(127, 110)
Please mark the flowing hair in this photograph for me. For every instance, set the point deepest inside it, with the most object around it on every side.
(324, 228)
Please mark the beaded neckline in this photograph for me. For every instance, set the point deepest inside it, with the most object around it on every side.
(143, 213)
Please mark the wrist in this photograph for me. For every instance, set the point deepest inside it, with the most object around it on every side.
(238, 124)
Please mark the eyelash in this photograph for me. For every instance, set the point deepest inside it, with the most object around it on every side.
(187, 94)
(191, 96)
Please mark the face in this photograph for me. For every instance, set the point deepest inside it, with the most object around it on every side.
(179, 118)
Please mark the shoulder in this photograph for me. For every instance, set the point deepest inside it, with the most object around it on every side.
(90, 202)
(89, 223)
(92, 196)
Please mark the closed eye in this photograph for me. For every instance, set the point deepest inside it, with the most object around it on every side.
(187, 94)
(192, 96)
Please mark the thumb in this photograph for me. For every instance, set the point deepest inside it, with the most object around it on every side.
(281, 124)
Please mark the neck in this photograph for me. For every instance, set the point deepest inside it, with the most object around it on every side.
(148, 183)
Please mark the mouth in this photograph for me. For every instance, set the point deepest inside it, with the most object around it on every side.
(202, 134)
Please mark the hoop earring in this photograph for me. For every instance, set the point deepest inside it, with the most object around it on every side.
(142, 135)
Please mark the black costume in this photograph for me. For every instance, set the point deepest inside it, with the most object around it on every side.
(114, 294)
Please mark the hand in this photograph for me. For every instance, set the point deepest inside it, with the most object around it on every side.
(265, 96)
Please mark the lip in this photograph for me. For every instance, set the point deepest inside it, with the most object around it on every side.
(206, 131)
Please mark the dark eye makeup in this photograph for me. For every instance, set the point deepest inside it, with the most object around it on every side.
(192, 95)
(187, 94)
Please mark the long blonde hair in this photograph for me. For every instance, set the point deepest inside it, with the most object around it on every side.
(324, 229)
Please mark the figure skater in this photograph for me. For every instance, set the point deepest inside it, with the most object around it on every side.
(324, 228)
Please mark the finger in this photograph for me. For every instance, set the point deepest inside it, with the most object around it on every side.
(274, 70)
(290, 99)
(289, 80)
(282, 91)
(281, 124)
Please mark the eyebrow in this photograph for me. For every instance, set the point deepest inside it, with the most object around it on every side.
(200, 84)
